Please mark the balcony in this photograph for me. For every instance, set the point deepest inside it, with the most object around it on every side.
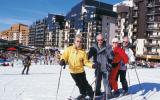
(157, 5)
(150, 20)
(135, 8)
(152, 13)
(153, 28)
(118, 30)
(135, 30)
(135, 15)
(150, 5)
(154, 37)
(135, 23)
(151, 53)
(134, 37)
(152, 45)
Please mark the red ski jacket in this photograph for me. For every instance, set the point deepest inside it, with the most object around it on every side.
(120, 55)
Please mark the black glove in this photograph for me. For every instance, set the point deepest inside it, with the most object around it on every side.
(95, 65)
(62, 62)
(132, 63)
(114, 65)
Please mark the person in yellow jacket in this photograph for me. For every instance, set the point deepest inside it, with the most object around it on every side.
(76, 57)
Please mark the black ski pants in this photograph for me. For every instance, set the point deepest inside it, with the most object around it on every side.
(82, 83)
(98, 75)
(122, 74)
(26, 66)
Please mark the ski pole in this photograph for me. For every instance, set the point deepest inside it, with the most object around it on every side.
(129, 81)
(59, 81)
(97, 75)
(93, 82)
(75, 86)
(139, 83)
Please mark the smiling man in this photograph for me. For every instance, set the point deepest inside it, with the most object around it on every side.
(76, 57)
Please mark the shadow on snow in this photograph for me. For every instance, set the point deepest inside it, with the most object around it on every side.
(145, 86)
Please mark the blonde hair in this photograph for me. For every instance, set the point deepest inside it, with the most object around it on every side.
(78, 36)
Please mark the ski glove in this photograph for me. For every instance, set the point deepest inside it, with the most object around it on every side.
(62, 62)
(114, 65)
(132, 63)
(95, 65)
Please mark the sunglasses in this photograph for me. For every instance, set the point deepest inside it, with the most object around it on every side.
(99, 39)
(125, 41)
(114, 42)
(79, 41)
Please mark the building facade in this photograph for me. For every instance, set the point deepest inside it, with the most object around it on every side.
(147, 29)
(90, 18)
(47, 32)
(140, 21)
(18, 32)
(124, 20)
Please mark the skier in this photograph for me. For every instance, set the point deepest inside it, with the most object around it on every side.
(119, 55)
(123, 67)
(103, 55)
(26, 63)
(76, 57)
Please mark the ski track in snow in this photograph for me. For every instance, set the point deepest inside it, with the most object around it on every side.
(42, 83)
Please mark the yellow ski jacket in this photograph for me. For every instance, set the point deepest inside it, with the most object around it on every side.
(76, 58)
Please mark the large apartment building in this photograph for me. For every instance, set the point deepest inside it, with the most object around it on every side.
(90, 17)
(18, 32)
(140, 21)
(47, 32)
(146, 14)
(124, 20)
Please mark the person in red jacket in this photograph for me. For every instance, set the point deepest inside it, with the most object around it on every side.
(119, 55)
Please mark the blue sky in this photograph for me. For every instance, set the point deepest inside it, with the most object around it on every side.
(27, 11)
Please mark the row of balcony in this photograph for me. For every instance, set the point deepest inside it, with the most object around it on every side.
(151, 53)
(150, 5)
(153, 12)
(155, 28)
(154, 37)
(156, 45)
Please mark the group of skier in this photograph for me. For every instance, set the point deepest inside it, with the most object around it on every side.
(109, 62)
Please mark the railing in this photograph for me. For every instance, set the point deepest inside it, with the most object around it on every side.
(135, 8)
(135, 15)
(150, 5)
(151, 44)
(154, 36)
(158, 28)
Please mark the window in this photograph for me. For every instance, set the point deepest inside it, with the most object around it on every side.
(107, 24)
(158, 18)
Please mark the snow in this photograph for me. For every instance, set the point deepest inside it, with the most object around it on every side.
(42, 83)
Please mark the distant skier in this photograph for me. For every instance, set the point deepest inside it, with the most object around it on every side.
(76, 57)
(26, 63)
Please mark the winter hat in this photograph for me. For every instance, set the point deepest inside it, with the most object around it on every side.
(115, 40)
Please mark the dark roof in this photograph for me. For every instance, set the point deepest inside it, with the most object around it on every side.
(122, 8)
(98, 4)
(2, 40)
(106, 12)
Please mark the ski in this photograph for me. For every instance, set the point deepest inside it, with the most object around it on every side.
(120, 96)
(98, 97)
(72, 98)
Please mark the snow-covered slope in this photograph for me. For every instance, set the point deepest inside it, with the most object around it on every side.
(41, 83)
